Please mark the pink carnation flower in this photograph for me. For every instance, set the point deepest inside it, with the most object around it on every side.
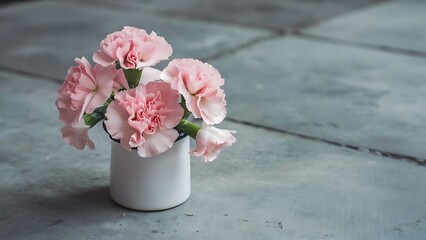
(84, 89)
(144, 118)
(133, 48)
(199, 83)
(210, 141)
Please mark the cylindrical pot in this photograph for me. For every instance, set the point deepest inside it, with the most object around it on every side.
(151, 183)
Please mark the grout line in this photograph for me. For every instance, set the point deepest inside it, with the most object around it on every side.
(241, 46)
(29, 74)
(209, 58)
(112, 6)
(156, 13)
(397, 156)
(355, 44)
(361, 7)
(276, 30)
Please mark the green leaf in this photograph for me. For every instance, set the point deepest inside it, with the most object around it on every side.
(117, 65)
(133, 77)
(92, 119)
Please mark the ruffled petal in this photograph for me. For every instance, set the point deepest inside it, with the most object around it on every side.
(170, 98)
(149, 74)
(69, 116)
(119, 80)
(104, 82)
(85, 65)
(117, 126)
(213, 107)
(157, 143)
(102, 58)
(192, 104)
(77, 136)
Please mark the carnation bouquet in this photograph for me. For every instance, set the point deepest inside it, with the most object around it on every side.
(141, 107)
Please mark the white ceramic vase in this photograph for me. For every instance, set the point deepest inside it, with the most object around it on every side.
(152, 183)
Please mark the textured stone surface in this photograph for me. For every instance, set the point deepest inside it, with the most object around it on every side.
(353, 96)
(280, 187)
(392, 24)
(270, 14)
(45, 37)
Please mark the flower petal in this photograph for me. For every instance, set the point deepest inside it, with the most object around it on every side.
(213, 107)
(117, 126)
(157, 143)
(104, 82)
(102, 58)
(119, 80)
(77, 136)
(85, 65)
(149, 74)
(67, 115)
(170, 98)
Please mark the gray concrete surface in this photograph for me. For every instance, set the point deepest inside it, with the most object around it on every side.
(270, 14)
(386, 24)
(45, 37)
(353, 96)
(277, 188)
(292, 177)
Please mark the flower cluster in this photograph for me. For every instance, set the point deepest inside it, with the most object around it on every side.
(142, 107)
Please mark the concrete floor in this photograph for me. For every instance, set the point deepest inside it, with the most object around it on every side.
(328, 98)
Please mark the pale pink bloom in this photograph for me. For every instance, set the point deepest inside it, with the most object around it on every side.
(133, 48)
(199, 83)
(77, 135)
(144, 118)
(84, 89)
(211, 140)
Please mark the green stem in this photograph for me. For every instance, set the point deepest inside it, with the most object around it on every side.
(188, 127)
(97, 115)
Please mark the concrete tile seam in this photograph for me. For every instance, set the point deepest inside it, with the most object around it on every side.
(226, 23)
(30, 74)
(242, 46)
(111, 7)
(278, 31)
(209, 58)
(396, 156)
(313, 23)
(354, 44)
